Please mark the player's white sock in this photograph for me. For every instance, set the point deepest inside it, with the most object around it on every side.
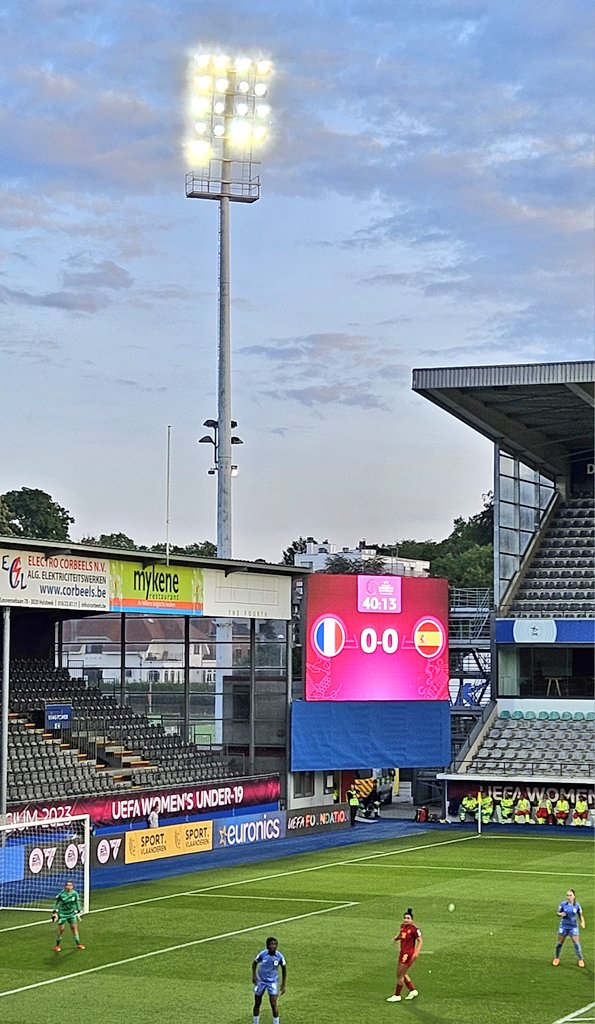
(256, 1020)
(275, 1020)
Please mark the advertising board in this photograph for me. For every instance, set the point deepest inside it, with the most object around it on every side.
(32, 579)
(144, 845)
(247, 829)
(174, 803)
(311, 820)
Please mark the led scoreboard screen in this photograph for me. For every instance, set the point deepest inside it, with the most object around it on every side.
(371, 638)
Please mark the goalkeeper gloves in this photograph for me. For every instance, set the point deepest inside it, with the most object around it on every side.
(54, 916)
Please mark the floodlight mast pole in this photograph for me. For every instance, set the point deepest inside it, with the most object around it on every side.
(228, 102)
(229, 106)
(224, 535)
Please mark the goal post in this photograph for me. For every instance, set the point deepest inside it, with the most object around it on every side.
(37, 859)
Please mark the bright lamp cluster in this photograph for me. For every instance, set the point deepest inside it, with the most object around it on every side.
(228, 105)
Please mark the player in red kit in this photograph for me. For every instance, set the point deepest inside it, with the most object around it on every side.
(411, 942)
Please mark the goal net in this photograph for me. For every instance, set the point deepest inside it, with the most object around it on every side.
(36, 860)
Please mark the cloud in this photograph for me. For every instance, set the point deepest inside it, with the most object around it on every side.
(73, 303)
(105, 274)
(329, 394)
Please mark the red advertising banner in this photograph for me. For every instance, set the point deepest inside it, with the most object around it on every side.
(126, 808)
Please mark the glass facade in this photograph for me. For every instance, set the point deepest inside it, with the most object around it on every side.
(522, 497)
(221, 684)
(554, 671)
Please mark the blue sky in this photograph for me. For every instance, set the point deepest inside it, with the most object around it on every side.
(426, 201)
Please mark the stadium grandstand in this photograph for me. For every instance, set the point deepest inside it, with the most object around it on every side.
(108, 692)
(537, 733)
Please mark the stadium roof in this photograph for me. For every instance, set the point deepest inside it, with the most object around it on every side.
(228, 565)
(540, 412)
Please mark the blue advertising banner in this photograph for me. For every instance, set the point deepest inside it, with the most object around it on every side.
(58, 716)
(545, 631)
(347, 734)
(247, 829)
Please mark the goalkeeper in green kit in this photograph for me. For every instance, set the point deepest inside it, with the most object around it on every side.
(67, 909)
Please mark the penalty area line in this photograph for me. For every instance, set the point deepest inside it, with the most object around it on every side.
(172, 949)
(576, 1016)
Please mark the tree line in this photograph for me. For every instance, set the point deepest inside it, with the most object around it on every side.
(465, 557)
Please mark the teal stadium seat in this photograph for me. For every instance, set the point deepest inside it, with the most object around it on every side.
(579, 716)
(543, 716)
(529, 714)
(566, 716)
(590, 716)
(554, 716)
(504, 714)
(517, 714)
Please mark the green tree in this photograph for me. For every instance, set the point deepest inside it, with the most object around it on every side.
(341, 566)
(296, 547)
(425, 550)
(5, 520)
(110, 540)
(206, 549)
(468, 567)
(116, 540)
(35, 514)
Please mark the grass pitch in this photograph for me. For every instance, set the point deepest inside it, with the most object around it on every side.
(181, 949)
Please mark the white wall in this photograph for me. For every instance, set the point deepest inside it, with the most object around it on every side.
(319, 798)
(537, 704)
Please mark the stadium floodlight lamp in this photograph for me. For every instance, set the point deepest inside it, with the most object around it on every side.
(228, 121)
(223, 91)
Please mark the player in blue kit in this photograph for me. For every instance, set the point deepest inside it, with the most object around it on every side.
(571, 915)
(265, 978)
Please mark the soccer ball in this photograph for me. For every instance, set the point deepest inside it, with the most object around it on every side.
(451, 907)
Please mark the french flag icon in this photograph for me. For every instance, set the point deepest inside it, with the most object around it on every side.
(328, 636)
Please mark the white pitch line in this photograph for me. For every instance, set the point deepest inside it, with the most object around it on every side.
(491, 871)
(536, 835)
(334, 864)
(575, 1016)
(258, 878)
(173, 949)
(269, 899)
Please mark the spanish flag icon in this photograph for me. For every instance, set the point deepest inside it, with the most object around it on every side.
(428, 638)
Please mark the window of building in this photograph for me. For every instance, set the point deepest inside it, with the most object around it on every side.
(241, 702)
(303, 784)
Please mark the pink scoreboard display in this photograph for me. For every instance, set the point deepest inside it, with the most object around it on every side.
(376, 638)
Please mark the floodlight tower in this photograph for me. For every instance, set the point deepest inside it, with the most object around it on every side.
(229, 116)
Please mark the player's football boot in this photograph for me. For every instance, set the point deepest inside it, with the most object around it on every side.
(79, 945)
(556, 961)
(57, 949)
(581, 963)
(394, 999)
(412, 994)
